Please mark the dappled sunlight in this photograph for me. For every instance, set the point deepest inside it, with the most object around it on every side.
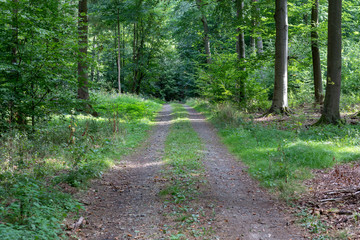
(196, 120)
(136, 165)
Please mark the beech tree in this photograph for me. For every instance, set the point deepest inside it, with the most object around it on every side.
(259, 41)
(331, 110)
(280, 97)
(206, 38)
(119, 50)
(316, 53)
(83, 82)
(240, 45)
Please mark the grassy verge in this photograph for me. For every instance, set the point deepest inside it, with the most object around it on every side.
(183, 153)
(280, 157)
(38, 171)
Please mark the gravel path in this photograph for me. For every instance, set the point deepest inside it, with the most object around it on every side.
(124, 203)
(244, 210)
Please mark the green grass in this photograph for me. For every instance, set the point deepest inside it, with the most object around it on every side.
(281, 159)
(70, 150)
(183, 154)
(127, 106)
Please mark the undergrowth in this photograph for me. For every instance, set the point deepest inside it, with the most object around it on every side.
(281, 157)
(38, 168)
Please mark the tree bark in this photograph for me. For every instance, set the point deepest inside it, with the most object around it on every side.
(319, 96)
(240, 47)
(119, 52)
(83, 82)
(135, 72)
(260, 45)
(123, 47)
(259, 41)
(280, 98)
(331, 110)
(15, 113)
(253, 44)
(206, 38)
(93, 53)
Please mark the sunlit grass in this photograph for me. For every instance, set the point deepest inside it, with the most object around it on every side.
(279, 158)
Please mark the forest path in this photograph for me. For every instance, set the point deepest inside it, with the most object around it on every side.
(246, 211)
(125, 203)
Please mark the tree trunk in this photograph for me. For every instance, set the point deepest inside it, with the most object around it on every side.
(253, 26)
(83, 89)
(259, 41)
(122, 63)
(119, 52)
(319, 96)
(206, 33)
(253, 44)
(240, 47)
(331, 110)
(280, 98)
(135, 72)
(15, 75)
(260, 46)
(93, 53)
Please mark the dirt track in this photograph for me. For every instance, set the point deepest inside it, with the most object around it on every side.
(124, 204)
(249, 212)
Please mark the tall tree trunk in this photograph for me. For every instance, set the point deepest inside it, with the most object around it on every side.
(93, 53)
(280, 98)
(331, 110)
(123, 47)
(206, 38)
(140, 57)
(135, 63)
(138, 86)
(241, 47)
(119, 52)
(16, 112)
(253, 44)
(14, 60)
(259, 41)
(83, 82)
(319, 96)
(260, 45)
(253, 26)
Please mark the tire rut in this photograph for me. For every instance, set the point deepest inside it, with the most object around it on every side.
(244, 211)
(123, 204)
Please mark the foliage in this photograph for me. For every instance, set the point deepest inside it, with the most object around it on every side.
(36, 167)
(220, 82)
(36, 70)
(125, 106)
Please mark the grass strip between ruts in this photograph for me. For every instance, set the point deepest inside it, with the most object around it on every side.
(185, 175)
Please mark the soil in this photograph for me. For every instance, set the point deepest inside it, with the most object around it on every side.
(333, 197)
(125, 204)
